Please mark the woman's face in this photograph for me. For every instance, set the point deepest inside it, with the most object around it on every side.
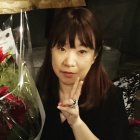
(70, 63)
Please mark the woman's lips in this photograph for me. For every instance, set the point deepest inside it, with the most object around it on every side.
(68, 74)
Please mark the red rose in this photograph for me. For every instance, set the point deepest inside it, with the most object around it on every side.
(16, 107)
(3, 55)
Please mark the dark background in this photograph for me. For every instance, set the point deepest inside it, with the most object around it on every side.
(120, 22)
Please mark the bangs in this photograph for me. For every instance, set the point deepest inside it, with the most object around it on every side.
(86, 37)
(69, 32)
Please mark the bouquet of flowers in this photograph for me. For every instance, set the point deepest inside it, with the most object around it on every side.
(21, 112)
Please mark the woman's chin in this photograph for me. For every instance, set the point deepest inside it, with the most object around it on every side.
(68, 81)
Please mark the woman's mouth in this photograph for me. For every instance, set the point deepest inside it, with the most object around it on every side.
(68, 74)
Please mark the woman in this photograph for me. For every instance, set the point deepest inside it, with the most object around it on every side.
(79, 99)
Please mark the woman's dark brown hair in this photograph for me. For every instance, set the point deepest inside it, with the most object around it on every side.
(68, 23)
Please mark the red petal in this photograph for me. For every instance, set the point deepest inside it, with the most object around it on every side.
(3, 90)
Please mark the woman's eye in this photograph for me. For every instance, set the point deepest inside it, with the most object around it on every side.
(82, 51)
(61, 48)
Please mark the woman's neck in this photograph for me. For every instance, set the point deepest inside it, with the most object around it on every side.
(64, 91)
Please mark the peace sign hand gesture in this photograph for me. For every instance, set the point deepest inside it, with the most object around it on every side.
(69, 107)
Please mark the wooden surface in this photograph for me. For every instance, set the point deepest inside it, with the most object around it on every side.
(15, 6)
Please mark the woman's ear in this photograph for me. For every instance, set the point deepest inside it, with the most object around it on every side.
(94, 58)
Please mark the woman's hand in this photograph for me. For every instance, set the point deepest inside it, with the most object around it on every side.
(69, 107)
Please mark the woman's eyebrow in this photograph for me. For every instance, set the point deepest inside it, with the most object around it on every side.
(82, 44)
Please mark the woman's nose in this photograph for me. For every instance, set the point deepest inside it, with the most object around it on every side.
(70, 59)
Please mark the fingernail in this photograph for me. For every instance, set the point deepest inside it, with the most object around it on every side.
(60, 104)
(81, 82)
(58, 107)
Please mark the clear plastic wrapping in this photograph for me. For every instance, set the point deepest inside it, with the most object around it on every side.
(21, 111)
